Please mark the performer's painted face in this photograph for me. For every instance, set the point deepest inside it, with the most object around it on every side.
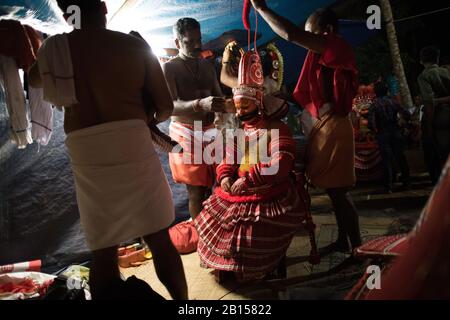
(246, 108)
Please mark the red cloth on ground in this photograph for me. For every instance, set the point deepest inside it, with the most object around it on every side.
(338, 55)
(27, 286)
(184, 237)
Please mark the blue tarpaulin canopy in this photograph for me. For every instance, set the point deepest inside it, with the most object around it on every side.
(154, 18)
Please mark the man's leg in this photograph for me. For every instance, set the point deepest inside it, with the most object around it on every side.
(399, 154)
(341, 243)
(197, 194)
(104, 272)
(168, 264)
(346, 217)
(386, 157)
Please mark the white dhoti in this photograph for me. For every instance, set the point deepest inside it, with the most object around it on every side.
(122, 191)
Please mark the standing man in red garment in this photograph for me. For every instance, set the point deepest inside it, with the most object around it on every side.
(327, 85)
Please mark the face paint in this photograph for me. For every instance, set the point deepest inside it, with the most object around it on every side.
(248, 116)
(246, 109)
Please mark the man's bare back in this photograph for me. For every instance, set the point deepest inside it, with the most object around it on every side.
(107, 93)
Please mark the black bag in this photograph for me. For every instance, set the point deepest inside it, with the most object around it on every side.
(59, 290)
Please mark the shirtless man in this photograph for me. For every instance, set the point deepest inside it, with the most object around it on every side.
(122, 192)
(196, 96)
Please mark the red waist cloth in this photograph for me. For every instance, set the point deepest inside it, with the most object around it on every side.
(339, 56)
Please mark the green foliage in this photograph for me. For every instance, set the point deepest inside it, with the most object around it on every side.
(374, 59)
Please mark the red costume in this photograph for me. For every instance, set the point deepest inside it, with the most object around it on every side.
(423, 269)
(416, 265)
(248, 231)
(339, 56)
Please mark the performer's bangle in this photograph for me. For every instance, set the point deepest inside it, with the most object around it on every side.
(225, 62)
(196, 105)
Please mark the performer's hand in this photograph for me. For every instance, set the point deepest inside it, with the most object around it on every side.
(227, 52)
(213, 104)
(238, 186)
(229, 106)
(226, 184)
(259, 4)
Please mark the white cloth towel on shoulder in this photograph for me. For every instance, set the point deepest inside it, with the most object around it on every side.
(56, 70)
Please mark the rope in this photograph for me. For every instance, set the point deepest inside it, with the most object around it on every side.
(422, 14)
(256, 31)
(248, 40)
(255, 35)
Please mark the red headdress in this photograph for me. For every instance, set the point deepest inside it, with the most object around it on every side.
(245, 14)
(250, 75)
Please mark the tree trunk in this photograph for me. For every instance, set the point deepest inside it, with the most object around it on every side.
(395, 54)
